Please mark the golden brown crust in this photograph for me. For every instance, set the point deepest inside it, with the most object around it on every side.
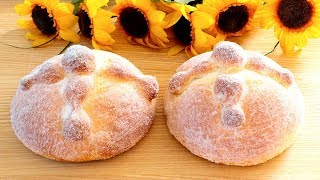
(244, 112)
(77, 108)
(147, 84)
(47, 73)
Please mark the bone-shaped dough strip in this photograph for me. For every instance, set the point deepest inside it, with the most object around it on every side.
(147, 84)
(258, 63)
(181, 79)
(48, 73)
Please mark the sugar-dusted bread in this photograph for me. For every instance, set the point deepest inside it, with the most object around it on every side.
(84, 105)
(233, 106)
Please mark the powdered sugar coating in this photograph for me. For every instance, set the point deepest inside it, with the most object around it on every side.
(263, 65)
(49, 72)
(232, 116)
(77, 89)
(78, 59)
(228, 88)
(76, 126)
(147, 84)
(87, 113)
(182, 78)
(229, 55)
(236, 114)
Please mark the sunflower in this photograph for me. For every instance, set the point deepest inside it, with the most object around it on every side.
(50, 19)
(96, 23)
(142, 22)
(294, 21)
(187, 25)
(232, 17)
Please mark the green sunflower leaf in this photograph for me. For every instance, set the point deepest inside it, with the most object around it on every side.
(76, 4)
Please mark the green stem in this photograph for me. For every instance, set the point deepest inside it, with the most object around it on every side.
(274, 48)
(65, 48)
(32, 46)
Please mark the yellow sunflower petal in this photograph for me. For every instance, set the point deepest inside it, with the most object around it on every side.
(190, 8)
(203, 42)
(286, 43)
(201, 20)
(96, 45)
(163, 6)
(206, 8)
(28, 24)
(214, 8)
(50, 4)
(172, 18)
(301, 40)
(119, 1)
(42, 42)
(103, 21)
(28, 3)
(188, 52)
(270, 1)
(23, 9)
(193, 50)
(156, 36)
(156, 17)
(103, 37)
(219, 37)
(67, 22)
(131, 40)
(160, 33)
(277, 31)
(268, 24)
(175, 50)
(265, 17)
(94, 5)
(184, 13)
(200, 37)
(313, 32)
(145, 5)
(34, 35)
(63, 9)
(157, 41)
(140, 41)
(39, 39)
(36, 1)
(149, 44)
(69, 35)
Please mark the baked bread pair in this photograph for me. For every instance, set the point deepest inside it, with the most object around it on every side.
(229, 106)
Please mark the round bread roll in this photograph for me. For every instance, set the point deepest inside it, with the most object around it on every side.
(233, 106)
(83, 105)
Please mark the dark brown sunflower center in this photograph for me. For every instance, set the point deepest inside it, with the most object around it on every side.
(294, 13)
(195, 2)
(182, 30)
(43, 21)
(134, 22)
(233, 19)
(84, 23)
